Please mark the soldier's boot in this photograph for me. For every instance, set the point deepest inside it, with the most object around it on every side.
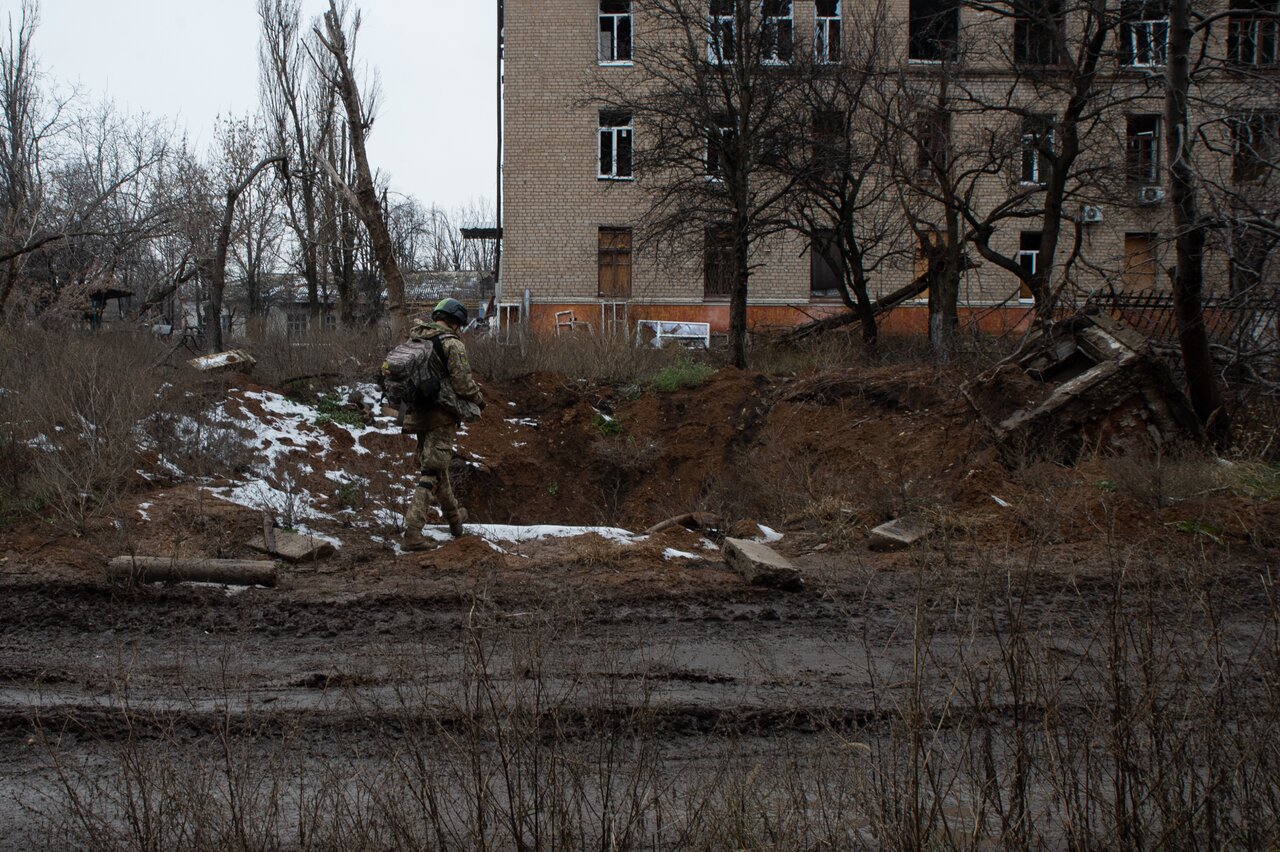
(416, 517)
(414, 540)
(456, 522)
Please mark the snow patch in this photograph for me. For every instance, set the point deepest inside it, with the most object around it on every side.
(769, 535)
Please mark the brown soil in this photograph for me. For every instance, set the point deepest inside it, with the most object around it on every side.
(823, 458)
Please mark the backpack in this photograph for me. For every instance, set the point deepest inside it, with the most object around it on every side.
(406, 373)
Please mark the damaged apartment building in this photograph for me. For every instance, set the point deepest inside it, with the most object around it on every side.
(981, 87)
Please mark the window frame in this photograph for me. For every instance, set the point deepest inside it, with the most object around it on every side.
(717, 253)
(1263, 43)
(933, 143)
(947, 39)
(823, 25)
(714, 158)
(1255, 144)
(614, 244)
(616, 132)
(821, 245)
(773, 42)
(1035, 26)
(1030, 253)
(1037, 135)
(1137, 17)
(1143, 171)
(615, 19)
(718, 23)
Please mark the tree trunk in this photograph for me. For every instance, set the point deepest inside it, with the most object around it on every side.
(738, 298)
(217, 273)
(365, 193)
(1189, 234)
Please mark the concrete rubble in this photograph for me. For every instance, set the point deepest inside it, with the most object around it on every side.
(761, 565)
(898, 535)
(1087, 384)
(292, 547)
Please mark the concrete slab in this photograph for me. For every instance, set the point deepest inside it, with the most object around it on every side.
(293, 547)
(897, 535)
(761, 565)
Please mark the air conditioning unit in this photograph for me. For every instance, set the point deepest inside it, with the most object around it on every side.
(1090, 215)
(1150, 195)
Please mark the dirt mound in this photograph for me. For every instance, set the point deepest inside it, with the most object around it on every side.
(823, 457)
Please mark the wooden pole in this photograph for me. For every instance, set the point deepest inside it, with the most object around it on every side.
(163, 569)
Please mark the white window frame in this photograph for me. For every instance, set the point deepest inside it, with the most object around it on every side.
(1031, 146)
(1157, 42)
(725, 131)
(823, 25)
(717, 25)
(608, 23)
(778, 24)
(1029, 259)
(615, 132)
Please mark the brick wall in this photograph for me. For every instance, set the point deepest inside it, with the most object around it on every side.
(554, 203)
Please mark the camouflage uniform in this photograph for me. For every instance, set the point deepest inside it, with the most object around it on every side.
(436, 426)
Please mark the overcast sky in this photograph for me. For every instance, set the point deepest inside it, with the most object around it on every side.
(191, 60)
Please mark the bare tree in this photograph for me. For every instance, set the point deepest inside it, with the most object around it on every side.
(300, 120)
(846, 208)
(1043, 127)
(364, 195)
(710, 116)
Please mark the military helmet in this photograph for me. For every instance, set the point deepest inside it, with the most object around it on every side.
(451, 309)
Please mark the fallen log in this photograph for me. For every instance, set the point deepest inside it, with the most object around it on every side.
(163, 569)
(881, 305)
(689, 520)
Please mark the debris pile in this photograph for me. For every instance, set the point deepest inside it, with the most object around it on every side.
(1090, 383)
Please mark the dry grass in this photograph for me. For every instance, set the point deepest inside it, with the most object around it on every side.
(611, 360)
(1140, 713)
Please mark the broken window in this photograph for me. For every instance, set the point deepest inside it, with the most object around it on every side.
(1144, 32)
(932, 144)
(1037, 146)
(722, 29)
(718, 262)
(615, 31)
(1139, 262)
(719, 142)
(615, 145)
(1143, 150)
(615, 263)
(1036, 29)
(826, 265)
(776, 33)
(1029, 259)
(826, 32)
(1253, 33)
(934, 30)
(1255, 145)
(829, 142)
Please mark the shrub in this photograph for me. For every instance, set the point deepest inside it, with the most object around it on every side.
(682, 374)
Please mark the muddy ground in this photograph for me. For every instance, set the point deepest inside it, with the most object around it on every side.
(349, 659)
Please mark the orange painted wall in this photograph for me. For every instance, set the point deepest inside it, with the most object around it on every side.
(907, 319)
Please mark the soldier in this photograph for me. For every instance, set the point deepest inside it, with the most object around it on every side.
(435, 425)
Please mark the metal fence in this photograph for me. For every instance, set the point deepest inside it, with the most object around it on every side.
(1244, 329)
(1245, 322)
